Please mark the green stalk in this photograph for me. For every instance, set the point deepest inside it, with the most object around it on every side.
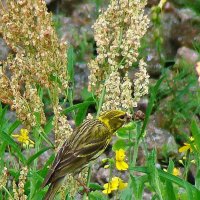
(197, 179)
(144, 147)
(135, 149)
(5, 189)
(129, 140)
(70, 99)
(37, 146)
(135, 153)
(110, 172)
(187, 165)
(46, 139)
(101, 100)
(88, 179)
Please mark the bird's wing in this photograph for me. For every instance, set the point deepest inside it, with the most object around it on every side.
(90, 143)
(88, 140)
(54, 165)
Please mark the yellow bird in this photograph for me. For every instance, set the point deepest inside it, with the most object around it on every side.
(86, 143)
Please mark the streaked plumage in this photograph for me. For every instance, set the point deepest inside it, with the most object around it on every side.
(86, 143)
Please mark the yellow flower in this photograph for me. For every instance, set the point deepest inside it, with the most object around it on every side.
(186, 146)
(106, 166)
(115, 184)
(24, 138)
(176, 172)
(120, 163)
(122, 185)
(112, 185)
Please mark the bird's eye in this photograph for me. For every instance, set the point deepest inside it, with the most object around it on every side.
(122, 117)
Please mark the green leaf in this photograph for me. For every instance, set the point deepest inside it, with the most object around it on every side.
(196, 134)
(129, 127)
(169, 186)
(96, 195)
(80, 116)
(153, 176)
(36, 175)
(2, 152)
(37, 117)
(45, 168)
(14, 173)
(35, 184)
(70, 66)
(141, 185)
(13, 127)
(95, 186)
(137, 184)
(2, 115)
(77, 106)
(86, 95)
(134, 185)
(6, 138)
(33, 157)
(122, 134)
(165, 175)
(3, 112)
(170, 167)
(119, 144)
(48, 126)
(126, 194)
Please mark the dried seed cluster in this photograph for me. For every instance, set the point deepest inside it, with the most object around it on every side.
(61, 126)
(38, 59)
(117, 33)
(19, 190)
(141, 83)
(4, 178)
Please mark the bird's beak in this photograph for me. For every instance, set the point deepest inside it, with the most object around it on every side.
(128, 118)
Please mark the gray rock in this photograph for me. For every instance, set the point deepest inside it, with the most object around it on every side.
(160, 139)
(188, 55)
(186, 14)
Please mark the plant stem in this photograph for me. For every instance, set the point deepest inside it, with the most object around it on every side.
(101, 100)
(46, 139)
(8, 192)
(129, 150)
(135, 153)
(88, 179)
(70, 99)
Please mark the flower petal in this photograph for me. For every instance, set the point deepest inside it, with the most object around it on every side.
(121, 165)
(31, 141)
(107, 191)
(114, 183)
(176, 171)
(184, 148)
(122, 184)
(120, 155)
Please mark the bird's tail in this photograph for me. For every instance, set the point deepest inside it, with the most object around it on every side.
(53, 189)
